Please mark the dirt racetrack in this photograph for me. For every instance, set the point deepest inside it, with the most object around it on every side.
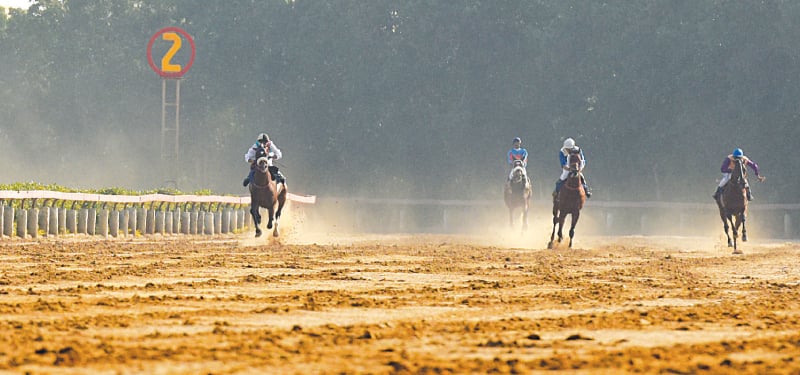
(397, 304)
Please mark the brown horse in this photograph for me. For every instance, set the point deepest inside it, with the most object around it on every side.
(569, 201)
(518, 194)
(264, 192)
(733, 205)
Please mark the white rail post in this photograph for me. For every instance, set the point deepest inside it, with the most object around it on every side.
(113, 223)
(124, 221)
(197, 222)
(244, 216)
(132, 221)
(8, 221)
(91, 221)
(103, 221)
(72, 222)
(217, 222)
(159, 217)
(83, 218)
(62, 220)
(22, 223)
(33, 222)
(167, 222)
(177, 215)
(151, 221)
(185, 222)
(787, 225)
(209, 224)
(226, 221)
(201, 222)
(48, 220)
(234, 220)
(141, 220)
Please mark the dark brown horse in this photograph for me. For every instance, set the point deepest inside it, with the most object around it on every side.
(569, 201)
(264, 192)
(733, 205)
(518, 194)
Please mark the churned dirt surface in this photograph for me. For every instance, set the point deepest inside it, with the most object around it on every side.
(397, 304)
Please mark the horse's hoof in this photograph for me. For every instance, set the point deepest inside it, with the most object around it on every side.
(258, 233)
(744, 238)
(275, 233)
(550, 245)
(730, 244)
(737, 252)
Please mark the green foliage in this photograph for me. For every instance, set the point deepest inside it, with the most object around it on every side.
(28, 186)
(412, 98)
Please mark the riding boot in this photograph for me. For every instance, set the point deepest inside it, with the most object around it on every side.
(248, 178)
(587, 191)
(279, 178)
(717, 193)
(558, 187)
(749, 194)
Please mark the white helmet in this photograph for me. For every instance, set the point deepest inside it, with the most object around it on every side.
(569, 143)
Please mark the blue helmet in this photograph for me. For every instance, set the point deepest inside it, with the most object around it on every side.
(737, 153)
(517, 139)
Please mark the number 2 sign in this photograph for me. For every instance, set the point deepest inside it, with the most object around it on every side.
(168, 67)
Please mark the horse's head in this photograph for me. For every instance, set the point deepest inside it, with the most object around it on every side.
(263, 160)
(574, 164)
(517, 174)
(739, 172)
(262, 164)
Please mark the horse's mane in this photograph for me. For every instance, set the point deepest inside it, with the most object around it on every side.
(739, 172)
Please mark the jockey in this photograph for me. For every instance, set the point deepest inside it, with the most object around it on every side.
(517, 153)
(566, 149)
(263, 142)
(727, 168)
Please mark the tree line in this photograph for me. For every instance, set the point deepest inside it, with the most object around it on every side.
(391, 98)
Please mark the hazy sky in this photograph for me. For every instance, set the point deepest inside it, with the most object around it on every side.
(24, 4)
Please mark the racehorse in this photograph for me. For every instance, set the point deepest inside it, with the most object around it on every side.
(518, 194)
(733, 204)
(264, 193)
(568, 201)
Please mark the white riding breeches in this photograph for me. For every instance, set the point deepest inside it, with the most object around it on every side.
(725, 178)
(564, 174)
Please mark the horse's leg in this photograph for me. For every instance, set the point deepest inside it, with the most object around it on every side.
(271, 213)
(256, 218)
(735, 228)
(744, 226)
(575, 216)
(725, 228)
(553, 233)
(561, 218)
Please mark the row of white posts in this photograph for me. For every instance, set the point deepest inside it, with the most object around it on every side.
(54, 221)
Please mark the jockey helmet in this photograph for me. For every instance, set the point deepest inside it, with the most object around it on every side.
(517, 139)
(737, 153)
(263, 138)
(569, 144)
